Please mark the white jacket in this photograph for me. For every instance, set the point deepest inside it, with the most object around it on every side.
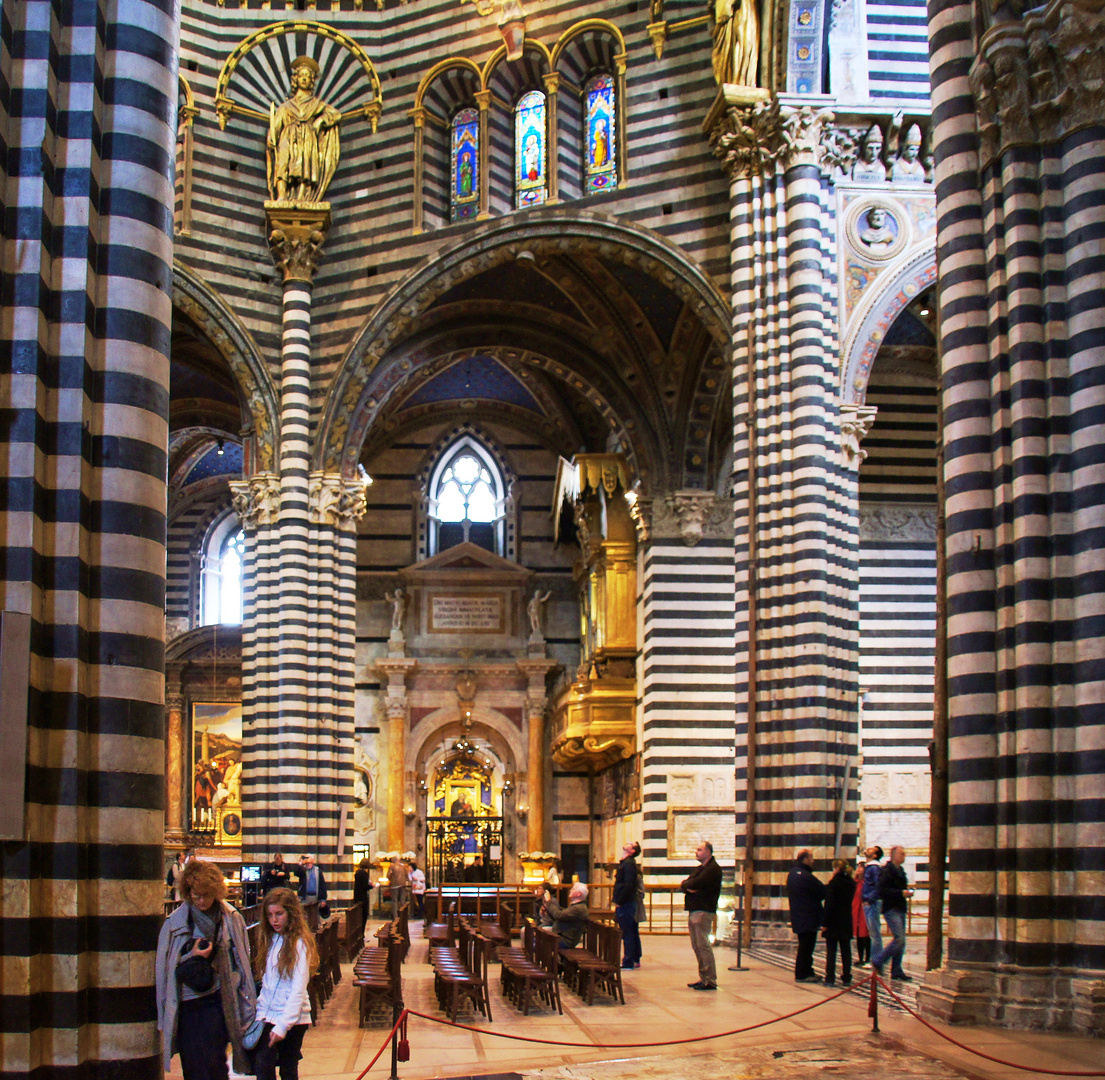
(283, 1001)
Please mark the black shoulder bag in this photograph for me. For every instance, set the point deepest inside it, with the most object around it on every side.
(196, 972)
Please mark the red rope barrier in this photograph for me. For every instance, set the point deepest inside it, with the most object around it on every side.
(979, 1053)
(391, 1035)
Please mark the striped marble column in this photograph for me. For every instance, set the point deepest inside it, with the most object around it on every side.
(87, 262)
(796, 509)
(300, 597)
(1020, 166)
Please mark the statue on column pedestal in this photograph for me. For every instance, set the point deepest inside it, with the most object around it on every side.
(736, 41)
(303, 142)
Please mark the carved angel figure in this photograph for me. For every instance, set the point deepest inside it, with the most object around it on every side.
(303, 143)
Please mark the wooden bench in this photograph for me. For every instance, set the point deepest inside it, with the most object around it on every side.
(595, 963)
(461, 972)
(378, 973)
(533, 966)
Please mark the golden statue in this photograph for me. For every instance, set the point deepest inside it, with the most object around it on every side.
(303, 144)
(736, 41)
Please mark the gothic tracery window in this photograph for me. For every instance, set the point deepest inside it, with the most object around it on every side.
(466, 499)
(222, 574)
(530, 151)
(600, 134)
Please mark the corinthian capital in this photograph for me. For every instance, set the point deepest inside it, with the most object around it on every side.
(334, 500)
(296, 236)
(752, 134)
(256, 500)
(855, 423)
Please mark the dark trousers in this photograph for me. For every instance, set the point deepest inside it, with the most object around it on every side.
(201, 1038)
(285, 1054)
(863, 950)
(626, 914)
(803, 962)
(831, 941)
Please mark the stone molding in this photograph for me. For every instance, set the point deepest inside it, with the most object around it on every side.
(893, 521)
(1038, 80)
(758, 136)
(333, 500)
(665, 522)
(256, 500)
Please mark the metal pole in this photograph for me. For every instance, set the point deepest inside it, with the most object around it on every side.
(738, 966)
(396, 1012)
(873, 1008)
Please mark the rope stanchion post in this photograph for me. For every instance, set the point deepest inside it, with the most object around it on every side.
(873, 1007)
(396, 1016)
(738, 919)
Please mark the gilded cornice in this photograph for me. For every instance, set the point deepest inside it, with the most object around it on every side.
(1039, 79)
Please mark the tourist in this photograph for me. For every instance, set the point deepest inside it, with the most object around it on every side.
(399, 881)
(312, 885)
(362, 883)
(277, 875)
(805, 894)
(872, 905)
(702, 888)
(894, 891)
(286, 954)
(859, 920)
(568, 922)
(839, 894)
(418, 889)
(626, 881)
(201, 952)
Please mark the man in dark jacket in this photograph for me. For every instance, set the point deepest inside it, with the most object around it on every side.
(894, 891)
(805, 893)
(568, 922)
(839, 893)
(703, 887)
(625, 905)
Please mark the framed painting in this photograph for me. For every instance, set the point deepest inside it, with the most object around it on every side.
(217, 767)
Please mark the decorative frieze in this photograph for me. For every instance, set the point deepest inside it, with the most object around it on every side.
(893, 521)
(877, 148)
(256, 500)
(1040, 79)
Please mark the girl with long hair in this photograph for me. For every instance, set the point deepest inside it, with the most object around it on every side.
(286, 955)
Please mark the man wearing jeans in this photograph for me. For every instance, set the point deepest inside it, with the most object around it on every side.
(872, 905)
(894, 891)
(702, 888)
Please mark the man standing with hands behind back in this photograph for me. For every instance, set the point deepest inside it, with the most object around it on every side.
(703, 887)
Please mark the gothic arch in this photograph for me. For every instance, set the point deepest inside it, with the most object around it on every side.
(354, 404)
(196, 299)
(444, 723)
(875, 315)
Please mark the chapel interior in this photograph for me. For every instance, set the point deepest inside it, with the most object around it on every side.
(498, 429)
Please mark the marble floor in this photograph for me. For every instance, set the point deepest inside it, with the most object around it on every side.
(833, 1038)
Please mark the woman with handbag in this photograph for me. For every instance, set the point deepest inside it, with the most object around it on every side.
(205, 992)
(286, 955)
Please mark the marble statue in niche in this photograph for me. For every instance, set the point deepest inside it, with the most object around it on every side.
(869, 164)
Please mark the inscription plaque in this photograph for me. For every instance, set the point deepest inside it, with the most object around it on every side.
(689, 826)
(467, 615)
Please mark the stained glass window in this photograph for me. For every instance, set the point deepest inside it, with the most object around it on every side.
(464, 191)
(600, 132)
(530, 151)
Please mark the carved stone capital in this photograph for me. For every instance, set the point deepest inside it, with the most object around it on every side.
(256, 500)
(297, 232)
(640, 510)
(750, 133)
(174, 701)
(1040, 79)
(692, 508)
(855, 423)
(395, 704)
(334, 500)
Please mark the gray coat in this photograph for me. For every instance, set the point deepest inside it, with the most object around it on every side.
(175, 932)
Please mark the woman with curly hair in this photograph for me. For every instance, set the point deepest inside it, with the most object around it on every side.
(286, 955)
(205, 992)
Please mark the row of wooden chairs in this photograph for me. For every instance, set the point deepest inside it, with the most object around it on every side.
(532, 966)
(460, 970)
(321, 985)
(355, 918)
(400, 929)
(378, 972)
(595, 963)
